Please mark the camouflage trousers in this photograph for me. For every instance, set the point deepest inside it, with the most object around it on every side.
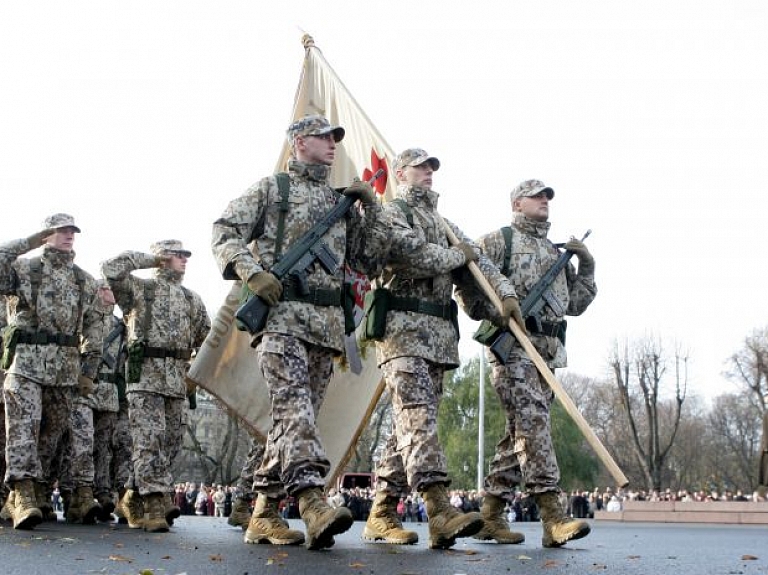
(525, 455)
(156, 432)
(297, 376)
(412, 456)
(3, 489)
(37, 427)
(252, 463)
(111, 450)
(81, 451)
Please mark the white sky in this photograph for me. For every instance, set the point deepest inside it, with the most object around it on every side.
(649, 119)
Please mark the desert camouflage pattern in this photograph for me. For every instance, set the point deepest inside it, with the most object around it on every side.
(412, 455)
(419, 266)
(57, 310)
(532, 255)
(111, 450)
(106, 396)
(297, 375)
(359, 240)
(81, 454)
(525, 455)
(252, 463)
(3, 323)
(156, 423)
(173, 324)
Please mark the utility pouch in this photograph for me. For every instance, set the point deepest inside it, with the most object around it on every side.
(245, 295)
(377, 303)
(486, 333)
(10, 340)
(135, 361)
(122, 397)
(348, 305)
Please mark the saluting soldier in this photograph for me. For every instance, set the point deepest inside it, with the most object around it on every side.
(525, 455)
(167, 322)
(418, 345)
(304, 329)
(54, 351)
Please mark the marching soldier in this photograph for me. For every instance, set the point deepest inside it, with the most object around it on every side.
(417, 345)
(525, 454)
(53, 351)
(305, 325)
(167, 323)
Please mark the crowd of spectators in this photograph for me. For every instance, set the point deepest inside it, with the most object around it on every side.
(208, 500)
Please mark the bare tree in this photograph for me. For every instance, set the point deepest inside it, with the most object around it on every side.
(640, 375)
(749, 368)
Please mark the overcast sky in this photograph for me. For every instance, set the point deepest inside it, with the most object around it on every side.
(649, 119)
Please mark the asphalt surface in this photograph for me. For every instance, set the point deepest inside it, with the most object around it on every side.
(201, 545)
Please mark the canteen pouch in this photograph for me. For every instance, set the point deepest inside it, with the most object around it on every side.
(376, 306)
(135, 361)
(10, 340)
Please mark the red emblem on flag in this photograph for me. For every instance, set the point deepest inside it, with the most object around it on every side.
(376, 162)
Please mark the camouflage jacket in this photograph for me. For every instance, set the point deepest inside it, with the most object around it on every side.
(112, 365)
(178, 319)
(419, 266)
(58, 308)
(359, 239)
(532, 255)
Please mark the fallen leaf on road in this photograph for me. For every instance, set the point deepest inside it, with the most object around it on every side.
(120, 558)
(216, 558)
(599, 566)
(549, 563)
(523, 557)
(165, 557)
(748, 558)
(470, 552)
(633, 557)
(357, 565)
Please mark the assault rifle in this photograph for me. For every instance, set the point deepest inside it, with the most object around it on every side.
(297, 260)
(531, 306)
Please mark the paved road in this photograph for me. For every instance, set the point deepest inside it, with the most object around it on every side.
(199, 545)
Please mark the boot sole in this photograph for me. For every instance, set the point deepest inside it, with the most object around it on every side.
(271, 540)
(467, 531)
(325, 539)
(578, 535)
(28, 523)
(374, 537)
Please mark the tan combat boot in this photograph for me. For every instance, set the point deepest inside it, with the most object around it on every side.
(23, 505)
(384, 523)
(558, 529)
(107, 506)
(43, 498)
(83, 507)
(322, 521)
(154, 513)
(446, 523)
(131, 508)
(495, 526)
(5, 512)
(241, 513)
(266, 525)
(171, 510)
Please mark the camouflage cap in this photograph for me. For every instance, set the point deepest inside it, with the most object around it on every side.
(57, 221)
(530, 188)
(167, 247)
(314, 125)
(415, 157)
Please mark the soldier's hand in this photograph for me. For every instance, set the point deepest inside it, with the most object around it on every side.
(470, 255)
(85, 386)
(361, 191)
(191, 387)
(266, 286)
(581, 251)
(38, 239)
(510, 310)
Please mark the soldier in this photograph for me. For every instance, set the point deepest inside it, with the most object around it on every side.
(112, 435)
(4, 514)
(167, 323)
(304, 331)
(54, 351)
(525, 454)
(762, 475)
(418, 345)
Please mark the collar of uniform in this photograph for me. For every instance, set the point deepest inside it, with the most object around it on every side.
(56, 257)
(317, 172)
(168, 275)
(417, 196)
(529, 226)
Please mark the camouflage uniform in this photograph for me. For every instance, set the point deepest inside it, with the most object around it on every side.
(112, 435)
(3, 323)
(418, 348)
(178, 324)
(300, 339)
(525, 454)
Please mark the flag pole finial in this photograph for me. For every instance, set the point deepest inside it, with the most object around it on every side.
(308, 41)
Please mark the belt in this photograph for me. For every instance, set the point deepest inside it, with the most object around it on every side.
(43, 338)
(420, 306)
(321, 297)
(162, 352)
(551, 329)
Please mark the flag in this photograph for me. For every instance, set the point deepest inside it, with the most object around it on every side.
(226, 365)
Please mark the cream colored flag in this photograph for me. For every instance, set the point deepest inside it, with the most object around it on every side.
(226, 365)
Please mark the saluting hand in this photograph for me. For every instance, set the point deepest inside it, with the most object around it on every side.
(38, 239)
